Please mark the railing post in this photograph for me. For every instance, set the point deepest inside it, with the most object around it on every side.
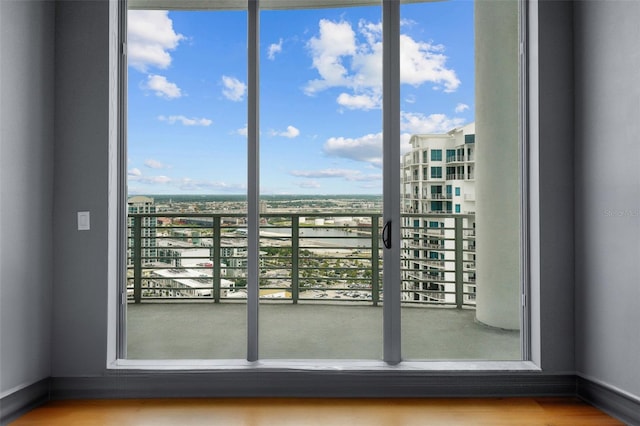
(137, 258)
(459, 262)
(375, 258)
(295, 257)
(217, 262)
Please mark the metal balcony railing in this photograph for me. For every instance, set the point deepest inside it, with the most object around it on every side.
(303, 257)
(455, 158)
(455, 176)
(437, 196)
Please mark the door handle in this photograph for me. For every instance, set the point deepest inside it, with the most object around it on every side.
(386, 235)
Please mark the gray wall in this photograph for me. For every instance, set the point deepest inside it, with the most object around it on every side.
(81, 175)
(26, 175)
(607, 201)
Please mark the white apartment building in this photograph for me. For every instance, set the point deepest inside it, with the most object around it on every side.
(438, 192)
(142, 205)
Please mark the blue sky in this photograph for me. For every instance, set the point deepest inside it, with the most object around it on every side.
(320, 95)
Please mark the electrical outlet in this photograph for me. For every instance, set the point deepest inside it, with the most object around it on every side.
(84, 221)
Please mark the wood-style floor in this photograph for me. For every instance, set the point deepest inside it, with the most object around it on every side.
(301, 412)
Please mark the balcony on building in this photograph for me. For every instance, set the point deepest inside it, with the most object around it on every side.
(328, 266)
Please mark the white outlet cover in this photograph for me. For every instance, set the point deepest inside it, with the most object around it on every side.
(84, 221)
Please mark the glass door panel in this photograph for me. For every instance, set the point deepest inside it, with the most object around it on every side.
(458, 101)
(321, 183)
(187, 174)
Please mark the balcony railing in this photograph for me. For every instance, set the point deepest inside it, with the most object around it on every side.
(438, 196)
(455, 176)
(303, 257)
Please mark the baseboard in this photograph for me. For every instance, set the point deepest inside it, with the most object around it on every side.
(21, 401)
(609, 400)
(310, 384)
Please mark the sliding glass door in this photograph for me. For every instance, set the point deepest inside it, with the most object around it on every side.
(187, 184)
(317, 180)
(461, 174)
(320, 183)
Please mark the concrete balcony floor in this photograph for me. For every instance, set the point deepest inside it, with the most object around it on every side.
(310, 331)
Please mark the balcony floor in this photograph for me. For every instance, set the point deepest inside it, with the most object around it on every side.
(309, 331)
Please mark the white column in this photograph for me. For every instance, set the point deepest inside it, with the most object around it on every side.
(497, 164)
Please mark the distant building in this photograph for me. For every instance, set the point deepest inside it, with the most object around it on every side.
(183, 282)
(142, 205)
(236, 260)
(264, 207)
(180, 248)
(438, 185)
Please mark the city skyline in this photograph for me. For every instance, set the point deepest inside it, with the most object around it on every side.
(320, 96)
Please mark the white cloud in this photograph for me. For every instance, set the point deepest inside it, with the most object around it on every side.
(154, 180)
(290, 133)
(461, 108)
(172, 119)
(407, 22)
(367, 148)
(150, 37)
(243, 131)
(365, 102)
(326, 173)
(368, 178)
(405, 146)
(371, 185)
(371, 31)
(188, 184)
(348, 174)
(162, 87)
(422, 62)
(336, 39)
(234, 89)
(413, 122)
(353, 60)
(309, 184)
(273, 49)
(155, 164)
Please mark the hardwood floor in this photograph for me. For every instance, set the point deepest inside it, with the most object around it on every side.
(300, 412)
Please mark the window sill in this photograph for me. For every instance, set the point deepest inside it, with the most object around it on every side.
(324, 365)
